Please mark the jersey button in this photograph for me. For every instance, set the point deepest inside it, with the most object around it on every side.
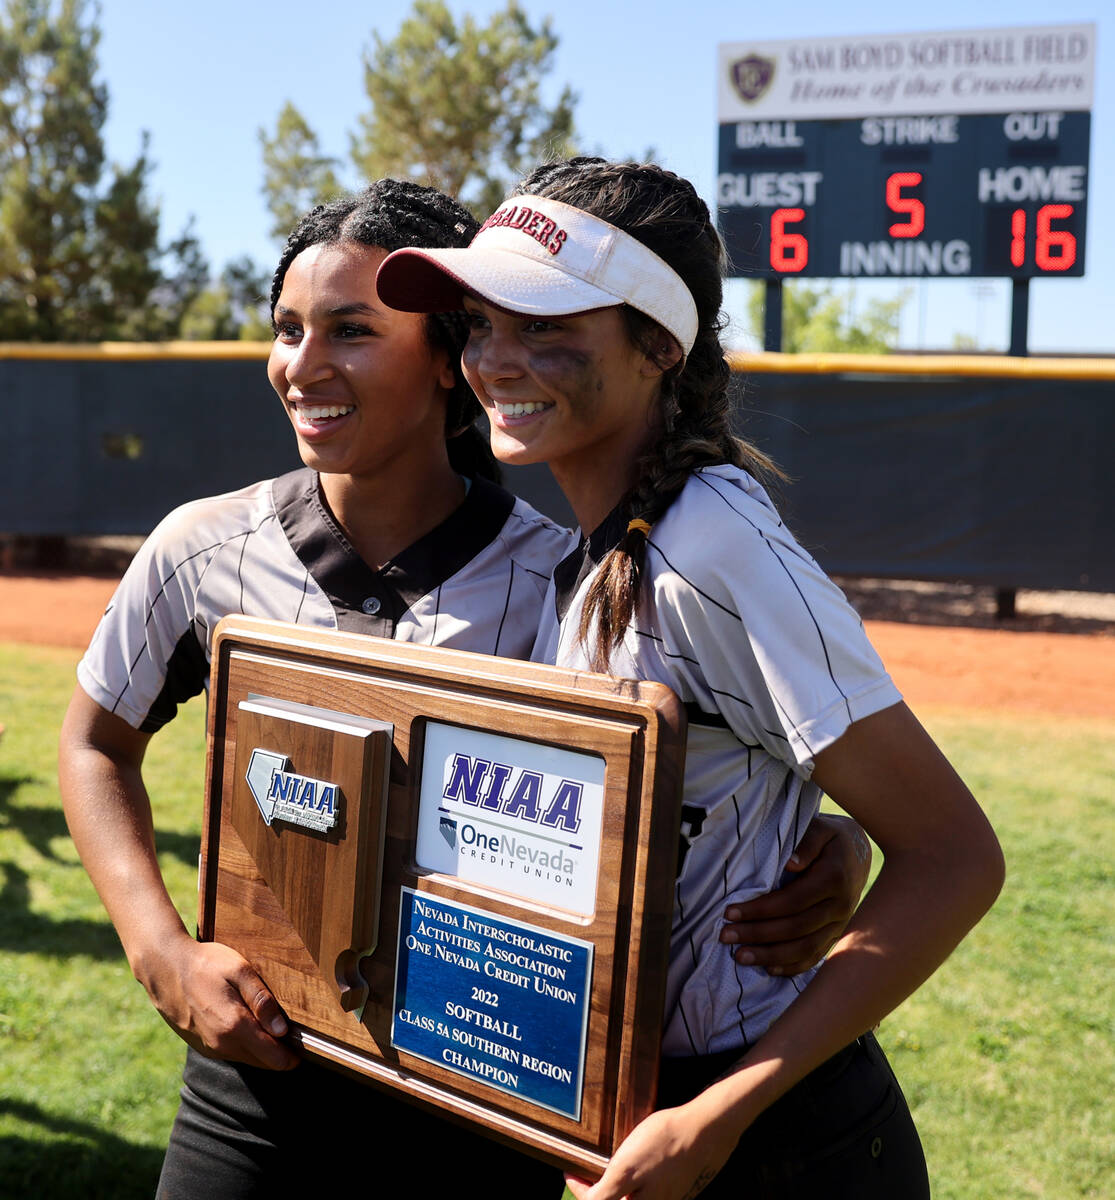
(372, 605)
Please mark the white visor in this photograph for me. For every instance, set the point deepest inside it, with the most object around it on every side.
(540, 257)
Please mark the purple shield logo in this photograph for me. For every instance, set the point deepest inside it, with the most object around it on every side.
(751, 76)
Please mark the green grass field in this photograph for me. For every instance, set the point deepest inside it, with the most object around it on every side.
(1007, 1055)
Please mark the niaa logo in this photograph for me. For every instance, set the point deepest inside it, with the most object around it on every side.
(283, 795)
(514, 791)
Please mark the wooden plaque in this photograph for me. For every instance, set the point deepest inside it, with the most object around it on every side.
(455, 872)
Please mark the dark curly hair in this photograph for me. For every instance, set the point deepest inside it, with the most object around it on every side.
(664, 212)
(391, 214)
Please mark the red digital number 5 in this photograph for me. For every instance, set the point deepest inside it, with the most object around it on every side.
(788, 251)
(913, 209)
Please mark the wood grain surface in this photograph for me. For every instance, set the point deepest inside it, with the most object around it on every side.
(295, 902)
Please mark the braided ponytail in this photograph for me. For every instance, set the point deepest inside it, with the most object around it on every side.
(391, 214)
(664, 212)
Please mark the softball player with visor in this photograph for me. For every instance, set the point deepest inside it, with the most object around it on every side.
(594, 300)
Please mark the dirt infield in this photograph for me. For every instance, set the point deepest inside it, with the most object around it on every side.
(940, 653)
(1052, 673)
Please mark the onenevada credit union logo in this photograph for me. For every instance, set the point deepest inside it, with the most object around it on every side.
(283, 795)
(516, 815)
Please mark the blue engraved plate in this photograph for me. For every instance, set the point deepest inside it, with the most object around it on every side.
(499, 1001)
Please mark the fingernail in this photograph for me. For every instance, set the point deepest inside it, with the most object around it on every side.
(745, 958)
(795, 860)
(731, 914)
(278, 1027)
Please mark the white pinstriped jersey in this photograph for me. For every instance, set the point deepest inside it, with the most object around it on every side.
(476, 582)
(773, 665)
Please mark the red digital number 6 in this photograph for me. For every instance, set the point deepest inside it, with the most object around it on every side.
(788, 251)
(1047, 240)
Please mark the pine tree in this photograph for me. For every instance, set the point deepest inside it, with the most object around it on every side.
(458, 106)
(79, 255)
(296, 175)
(234, 307)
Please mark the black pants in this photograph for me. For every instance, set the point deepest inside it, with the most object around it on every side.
(844, 1132)
(243, 1132)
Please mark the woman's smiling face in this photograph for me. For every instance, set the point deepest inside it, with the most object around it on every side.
(361, 383)
(571, 391)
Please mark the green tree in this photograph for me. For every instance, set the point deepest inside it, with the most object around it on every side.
(79, 255)
(235, 307)
(296, 175)
(818, 319)
(458, 105)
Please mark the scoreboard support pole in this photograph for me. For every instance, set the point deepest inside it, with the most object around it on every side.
(1006, 597)
(1019, 318)
(772, 315)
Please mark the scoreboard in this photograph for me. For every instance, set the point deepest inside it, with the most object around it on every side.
(874, 158)
(906, 196)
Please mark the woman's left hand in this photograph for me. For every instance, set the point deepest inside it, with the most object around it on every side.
(672, 1155)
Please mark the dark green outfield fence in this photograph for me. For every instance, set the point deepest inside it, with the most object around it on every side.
(995, 471)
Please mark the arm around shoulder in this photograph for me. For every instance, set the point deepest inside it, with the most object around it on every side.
(206, 992)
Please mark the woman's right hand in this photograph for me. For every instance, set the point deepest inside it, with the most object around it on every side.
(207, 993)
(792, 928)
(213, 999)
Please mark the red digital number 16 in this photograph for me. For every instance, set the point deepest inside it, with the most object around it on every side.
(1054, 249)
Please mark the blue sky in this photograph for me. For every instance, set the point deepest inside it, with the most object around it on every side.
(203, 78)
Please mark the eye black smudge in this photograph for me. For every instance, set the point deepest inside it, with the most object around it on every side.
(571, 372)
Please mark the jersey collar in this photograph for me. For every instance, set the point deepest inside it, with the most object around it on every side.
(351, 584)
(578, 565)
